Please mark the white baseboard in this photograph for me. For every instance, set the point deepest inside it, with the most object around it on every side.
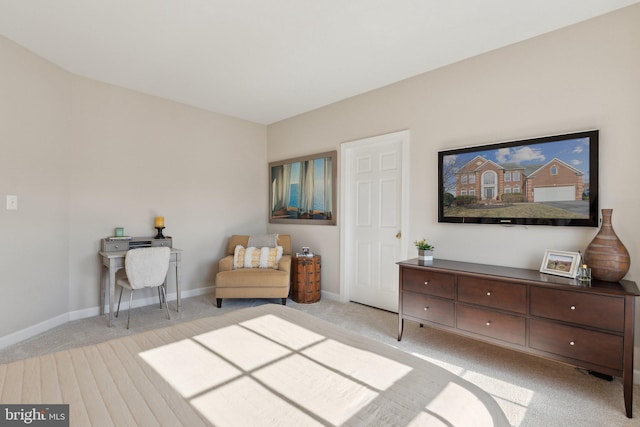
(33, 330)
(330, 296)
(49, 324)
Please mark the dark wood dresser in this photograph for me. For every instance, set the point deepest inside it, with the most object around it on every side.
(525, 310)
(305, 279)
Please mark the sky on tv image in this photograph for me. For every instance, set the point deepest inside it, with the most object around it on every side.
(574, 152)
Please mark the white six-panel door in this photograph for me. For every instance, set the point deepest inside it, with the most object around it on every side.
(373, 218)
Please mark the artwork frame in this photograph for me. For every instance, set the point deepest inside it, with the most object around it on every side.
(560, 263)
(302, 190)
(549, 180)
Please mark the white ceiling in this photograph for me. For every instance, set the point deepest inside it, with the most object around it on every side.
(267, 60)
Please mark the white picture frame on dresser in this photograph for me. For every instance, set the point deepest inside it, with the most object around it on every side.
(560, 263)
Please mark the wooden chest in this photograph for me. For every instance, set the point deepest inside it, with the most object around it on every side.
(305, 279)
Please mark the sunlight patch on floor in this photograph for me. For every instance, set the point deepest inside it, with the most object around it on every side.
(444, 409)
(512, 398)
(188, 367)
(377, 371)
(269, 371)
(324, 392)
(284, 370)
(283, 332)
(246, 349)
(245, 402)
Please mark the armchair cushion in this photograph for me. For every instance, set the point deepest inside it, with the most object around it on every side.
(253, 257)
(284, 240)
(267, 240)
(254, 278)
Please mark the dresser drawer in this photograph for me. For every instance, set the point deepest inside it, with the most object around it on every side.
(116, 245)
(505, 327)
(428, 308)
(581, 344)
(599, 311)
(429, 282)
(491, 293)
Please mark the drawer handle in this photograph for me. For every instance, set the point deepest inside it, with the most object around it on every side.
(426, 283)
(572, 343)
(573, 307)
(489, 293)
(488, 323)
(426, 308)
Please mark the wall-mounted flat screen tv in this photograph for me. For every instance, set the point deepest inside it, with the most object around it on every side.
(551, 180)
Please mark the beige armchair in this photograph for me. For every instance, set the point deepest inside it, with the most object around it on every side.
(253, 282)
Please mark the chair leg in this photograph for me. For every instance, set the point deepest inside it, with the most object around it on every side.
(219, 302)
(119, 300)
(284, 301)
(166, 305)
(129, 311)
(160, 297)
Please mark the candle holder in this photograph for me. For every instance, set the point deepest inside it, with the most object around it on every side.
(584, 274)
(159, 235)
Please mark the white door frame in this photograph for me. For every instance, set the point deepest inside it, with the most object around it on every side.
(346, 150)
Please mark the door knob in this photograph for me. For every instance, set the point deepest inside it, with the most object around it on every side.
(398, 234)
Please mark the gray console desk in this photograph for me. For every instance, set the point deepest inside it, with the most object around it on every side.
(113, 261)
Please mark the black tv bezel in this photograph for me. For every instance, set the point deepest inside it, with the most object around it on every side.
(591, 221)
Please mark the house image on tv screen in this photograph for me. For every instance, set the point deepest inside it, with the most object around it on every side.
(487, 181)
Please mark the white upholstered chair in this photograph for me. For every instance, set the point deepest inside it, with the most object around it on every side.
(145, 268)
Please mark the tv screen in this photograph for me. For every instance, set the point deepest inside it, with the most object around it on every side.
(551, 180)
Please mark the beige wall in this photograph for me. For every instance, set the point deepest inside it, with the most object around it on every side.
(34, 135)
(136, 156)
(578, 78)
(84, 157)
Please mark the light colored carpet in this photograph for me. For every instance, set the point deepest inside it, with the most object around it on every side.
(530, 390)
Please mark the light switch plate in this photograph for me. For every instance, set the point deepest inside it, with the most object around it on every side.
(12, 202)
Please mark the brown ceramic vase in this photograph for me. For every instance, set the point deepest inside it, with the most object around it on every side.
(606, 255)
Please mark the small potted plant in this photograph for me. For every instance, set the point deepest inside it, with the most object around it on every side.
(425, 250)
